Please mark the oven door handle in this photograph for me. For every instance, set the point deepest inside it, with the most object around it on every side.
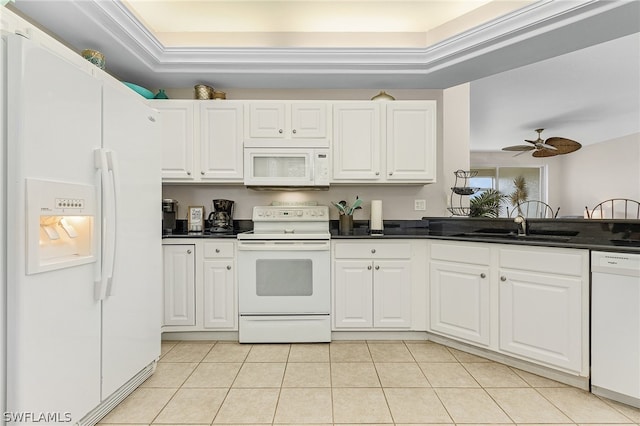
(283, 245)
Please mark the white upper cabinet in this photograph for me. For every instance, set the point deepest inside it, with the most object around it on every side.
(356, 141)
(411, 141)
(221, 135)
(273, 123)
(177, 121)
(201, 140)
(384, 142)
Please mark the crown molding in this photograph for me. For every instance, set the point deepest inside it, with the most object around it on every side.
(512, 40)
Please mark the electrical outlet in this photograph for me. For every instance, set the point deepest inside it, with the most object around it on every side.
(419, 205)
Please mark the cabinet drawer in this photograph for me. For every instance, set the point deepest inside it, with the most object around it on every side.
(372, 250)
(462, 253)
(547, 260)
(218, 250)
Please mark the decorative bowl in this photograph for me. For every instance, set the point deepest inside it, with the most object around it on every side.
(383, 96)
(140, 90)
(95, 57)
(464, 190)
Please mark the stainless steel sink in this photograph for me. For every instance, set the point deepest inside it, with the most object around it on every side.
(513, 236)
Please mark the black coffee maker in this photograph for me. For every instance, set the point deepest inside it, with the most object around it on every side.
(169, 213)
(221, 216)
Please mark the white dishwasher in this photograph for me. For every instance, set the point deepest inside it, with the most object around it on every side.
(615, 326)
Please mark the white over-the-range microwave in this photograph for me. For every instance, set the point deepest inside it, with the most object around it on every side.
(287, 167)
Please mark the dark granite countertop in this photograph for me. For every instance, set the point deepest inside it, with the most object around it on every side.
(239, 226)
(607, 235)
(595, 234)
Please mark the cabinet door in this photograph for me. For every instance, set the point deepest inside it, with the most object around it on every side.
(308, 120)
(219, 294)
(356, 142)
(460, 303)
(177, 121)
(353, 294)
(267, 120)
(392, 294)
(179, 285)
(221, 138)
(540, 317)
(411, 141)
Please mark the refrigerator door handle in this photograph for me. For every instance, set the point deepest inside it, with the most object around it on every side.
(112, 160)
(108, 226)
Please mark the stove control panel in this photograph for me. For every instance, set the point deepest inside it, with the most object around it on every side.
(293, 214)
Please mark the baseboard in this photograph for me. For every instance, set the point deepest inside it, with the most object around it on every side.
(95, 415)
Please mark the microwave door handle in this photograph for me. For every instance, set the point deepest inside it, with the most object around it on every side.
(312, 167)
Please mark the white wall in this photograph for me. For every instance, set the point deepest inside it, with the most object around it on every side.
(452, 149)
(598, 172)
(609, 169)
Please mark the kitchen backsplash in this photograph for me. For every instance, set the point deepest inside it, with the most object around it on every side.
(397, 201)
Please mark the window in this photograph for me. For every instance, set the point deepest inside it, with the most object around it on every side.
(501, 179)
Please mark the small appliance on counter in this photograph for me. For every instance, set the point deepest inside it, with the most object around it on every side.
(169, 213)
(221, 216)
(376, 225)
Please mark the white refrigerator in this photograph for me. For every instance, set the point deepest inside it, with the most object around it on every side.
(83, 238)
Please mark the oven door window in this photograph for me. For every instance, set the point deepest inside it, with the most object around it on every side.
(284, 277)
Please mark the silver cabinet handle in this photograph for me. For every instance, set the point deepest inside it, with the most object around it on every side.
(483, 275)
(295, 131)
(503, 278)
(377, 173)
(377, 267)
(390, 173)
(280, 131)
(202, 173)
(217, 250)
(228, 267)
(373, 250)
(369, 267)
(188, 173)
(188, 251)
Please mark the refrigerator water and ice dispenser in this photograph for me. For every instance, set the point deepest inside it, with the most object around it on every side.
(60, 225)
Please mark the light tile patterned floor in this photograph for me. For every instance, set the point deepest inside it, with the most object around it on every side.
(374, 383)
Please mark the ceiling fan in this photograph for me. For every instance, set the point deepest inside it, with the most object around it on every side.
(546, 148)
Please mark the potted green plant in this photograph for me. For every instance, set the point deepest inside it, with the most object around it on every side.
(520, 193)
(346, 215)
(486, 204)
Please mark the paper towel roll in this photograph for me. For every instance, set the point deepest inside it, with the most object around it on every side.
(375, 224)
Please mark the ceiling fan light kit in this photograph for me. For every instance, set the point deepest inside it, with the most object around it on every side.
(546, 148)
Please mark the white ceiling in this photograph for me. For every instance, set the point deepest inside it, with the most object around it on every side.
(308, 23)
(529, 67)
(590, 95)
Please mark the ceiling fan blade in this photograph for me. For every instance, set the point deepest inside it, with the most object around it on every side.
(519, 148)
(521, 152)
(563, 145)
(544, 153)
(533, 142)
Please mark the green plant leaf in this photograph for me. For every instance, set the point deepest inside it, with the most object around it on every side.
(486, 204)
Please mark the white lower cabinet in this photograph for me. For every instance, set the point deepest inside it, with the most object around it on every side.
(179, 285)
(460, 291)
(205, 289)
(374, 285)
(544, 305)
(527, 302)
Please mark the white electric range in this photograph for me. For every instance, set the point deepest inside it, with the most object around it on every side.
(284, 275)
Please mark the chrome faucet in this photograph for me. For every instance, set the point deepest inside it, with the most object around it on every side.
(522, 224)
